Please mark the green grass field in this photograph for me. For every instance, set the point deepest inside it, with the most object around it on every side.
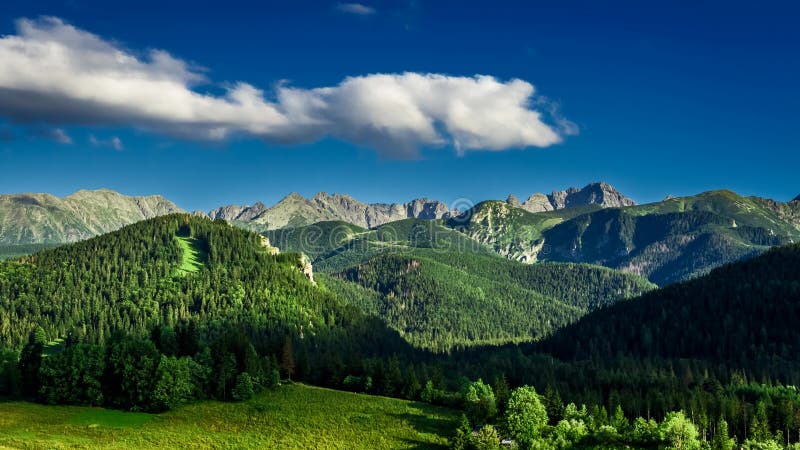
(194, 257)
(294, 416)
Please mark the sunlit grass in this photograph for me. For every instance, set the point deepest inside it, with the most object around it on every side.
(293, 416)
(194, 256)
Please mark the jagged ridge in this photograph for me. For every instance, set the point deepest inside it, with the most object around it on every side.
(598, 193)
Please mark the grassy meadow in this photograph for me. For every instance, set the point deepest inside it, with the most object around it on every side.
(289, 417)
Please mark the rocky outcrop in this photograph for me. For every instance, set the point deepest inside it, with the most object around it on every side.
(513, 201)
(600, 193)
(307, 268)
(45, 218)
(538, 203)
(268, 246)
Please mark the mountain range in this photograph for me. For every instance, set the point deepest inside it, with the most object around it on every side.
(296, 210)
(666, 241)
(39, 218)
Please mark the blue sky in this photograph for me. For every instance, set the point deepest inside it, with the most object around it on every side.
(668, 98)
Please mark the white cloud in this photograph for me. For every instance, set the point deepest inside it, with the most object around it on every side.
(114, 142)
(55, 73)
(356, 8)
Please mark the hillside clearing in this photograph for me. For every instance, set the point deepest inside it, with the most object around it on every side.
(194, 256)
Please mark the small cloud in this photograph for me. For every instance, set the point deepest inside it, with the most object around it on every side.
(114, 142)
(356, 8)
(52, 134)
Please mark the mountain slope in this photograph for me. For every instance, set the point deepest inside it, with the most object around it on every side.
(436, 306)
(47, 219)
(666, 241)
(511, 232)
(743, 313)
(335, 245)
(295, 210)
(439, 289)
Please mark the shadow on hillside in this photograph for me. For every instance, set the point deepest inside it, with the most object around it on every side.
(429, 422)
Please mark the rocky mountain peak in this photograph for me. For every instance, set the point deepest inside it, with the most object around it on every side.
(796, 199)
(293, 196)
(598, 193)
(513, 200)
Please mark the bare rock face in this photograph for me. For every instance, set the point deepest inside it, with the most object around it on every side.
(268, 246)
(513, 201)
(601, 194)
(538, 203)
(307, 268)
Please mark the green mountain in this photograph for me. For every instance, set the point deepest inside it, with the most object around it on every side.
(47, 219)
(440, 289)
(313, 240)
(666, 241)
(440, 299)
(743, 314)
(336, 245)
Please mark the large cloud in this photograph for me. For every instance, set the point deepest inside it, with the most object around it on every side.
(55, 73)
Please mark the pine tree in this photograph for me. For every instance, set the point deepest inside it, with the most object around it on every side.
(287, 358)
(243, 390)
(721, 441)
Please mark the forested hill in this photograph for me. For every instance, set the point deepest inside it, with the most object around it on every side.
(744, 314)
(441, 290)
(438, 298)
(168, 271)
